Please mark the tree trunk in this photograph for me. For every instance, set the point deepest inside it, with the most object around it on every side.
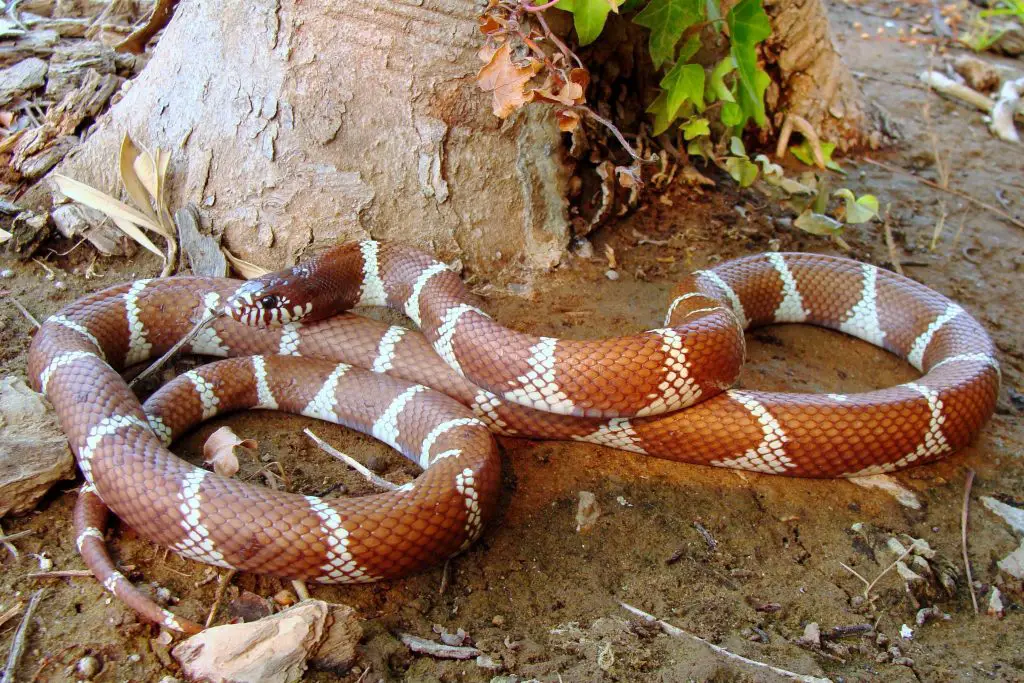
(811, 80)
(299, 124)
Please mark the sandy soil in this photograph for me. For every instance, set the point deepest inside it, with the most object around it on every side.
(542, 599)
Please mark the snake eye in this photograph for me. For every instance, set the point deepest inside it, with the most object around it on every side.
(268, 302)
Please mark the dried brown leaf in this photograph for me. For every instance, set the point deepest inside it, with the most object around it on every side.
(244, 268)
(129, 155)
(221, 451)
(95, 199)
(505, 80)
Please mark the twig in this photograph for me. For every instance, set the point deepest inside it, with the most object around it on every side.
(218, 596)
(300, 589)
(894, 258)
(20, 636)
(24, 312)
(618, 134)
(677, 632)
(538, 8)
(708, 538)
(5, 540)
(963, 195)
(548, 33)
(444, 576)
(867, 590)
(854, 572)
(163, 360)
(963, 536)
(62, 574)
(10, 614)
(377, 481)
(439, 650)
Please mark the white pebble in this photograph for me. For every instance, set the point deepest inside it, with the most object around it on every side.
(611, 274)
(906, 633)
(6, 273)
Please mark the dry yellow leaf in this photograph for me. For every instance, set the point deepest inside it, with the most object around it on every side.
(221, 451)
(4, 235)
(244, 268)
(505, 80)
(129, 156)
(95, 199)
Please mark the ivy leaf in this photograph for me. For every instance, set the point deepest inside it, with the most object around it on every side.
(659, 107)
(860, 209)
(736, 147)
(696, 148)
(695, 128)
(588, 17)
(748, 26)
(804, 153)
(668, 19)
(818, 223)
(684, 82)
(773, 174)
(732, 114)
(742, 170)
(717, 89)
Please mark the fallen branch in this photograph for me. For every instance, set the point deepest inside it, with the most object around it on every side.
(20, 637)
(24, 311)
(963, 537)
(218, 596)
(439, 650)
(11, 613)
(677, 632)
(963, 195)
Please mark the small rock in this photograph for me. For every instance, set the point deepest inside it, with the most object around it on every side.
(248, 607)
(277, 649)
(6, 273)
(611, 274)
(28, 231)
(927, 614)
(498, 620)
(376, 464)
(811, 636)
(487, 662)
(995, 604)
(87, 667)
(587, 512)
(906, 633)
(285, 597)
(34, 453)
(978, 73)
(882, 640)
(76, 220)
(582, 247)
(903, 661)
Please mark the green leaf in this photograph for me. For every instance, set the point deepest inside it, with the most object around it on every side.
(588, 17)
(732, 114)
(773, 174)
(630, 5)
(668, 19)
(748, 26)
(695, 128)
(736, 147)
(860, 209)
(696, 148)
(659, 107)
(804, 153)
(684, 82)
(742, 170)
(818, 223)
(717, 89)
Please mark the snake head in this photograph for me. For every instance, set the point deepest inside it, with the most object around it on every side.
(273, 300)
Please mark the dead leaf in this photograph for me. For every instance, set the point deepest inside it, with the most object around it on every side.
(95, 199)
(567, 120)
(4, 235)
(505, 80)
(130, 156)
(244, 268)
(220, 451)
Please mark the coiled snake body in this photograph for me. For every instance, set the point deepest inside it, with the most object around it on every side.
(663, 392)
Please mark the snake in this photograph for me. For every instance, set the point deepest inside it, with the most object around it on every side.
(439, 396)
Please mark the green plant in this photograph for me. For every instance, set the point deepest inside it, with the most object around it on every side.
(736, 81)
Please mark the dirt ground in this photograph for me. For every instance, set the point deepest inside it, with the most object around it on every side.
(542, 599)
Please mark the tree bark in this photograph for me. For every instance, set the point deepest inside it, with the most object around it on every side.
(300, 124)
(811, 80)
(295, 125)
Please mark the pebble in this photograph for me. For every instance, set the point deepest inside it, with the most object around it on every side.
(6, 273)
(376, 464)
(88, 667)
(611, 274)
(498, 620)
